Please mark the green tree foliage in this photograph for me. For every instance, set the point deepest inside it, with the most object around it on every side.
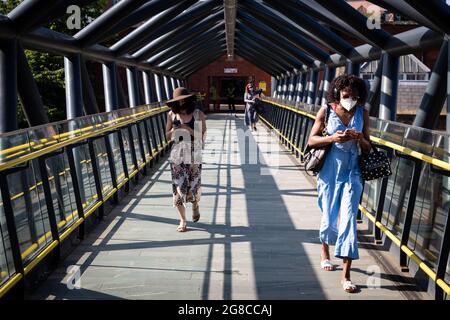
(48, 69)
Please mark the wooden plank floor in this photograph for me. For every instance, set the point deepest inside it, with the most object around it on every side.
(257, 237)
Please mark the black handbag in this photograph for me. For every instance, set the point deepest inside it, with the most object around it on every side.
(374, 165)
(314, 158)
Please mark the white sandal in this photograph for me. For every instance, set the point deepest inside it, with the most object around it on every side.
(327, 264)
(348, 286)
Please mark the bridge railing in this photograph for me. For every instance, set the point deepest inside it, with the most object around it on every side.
(56, 179)
(408, 211)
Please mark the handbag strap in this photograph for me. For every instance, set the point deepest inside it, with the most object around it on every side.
(327, 116)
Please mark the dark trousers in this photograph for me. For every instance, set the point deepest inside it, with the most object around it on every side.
(231, 105)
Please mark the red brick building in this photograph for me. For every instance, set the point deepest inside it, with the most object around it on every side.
(223, 73)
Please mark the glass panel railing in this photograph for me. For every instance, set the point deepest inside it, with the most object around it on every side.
(411, 147)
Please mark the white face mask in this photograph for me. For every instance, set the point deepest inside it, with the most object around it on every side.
(348, 103)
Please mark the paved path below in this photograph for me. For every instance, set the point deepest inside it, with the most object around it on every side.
(257, 237)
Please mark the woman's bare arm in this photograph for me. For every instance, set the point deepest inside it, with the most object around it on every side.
(169, 126)
(316, 139)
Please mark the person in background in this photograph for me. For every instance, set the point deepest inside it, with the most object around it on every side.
(339, 183)
(251, 116)
(230, 96)
(214, 98)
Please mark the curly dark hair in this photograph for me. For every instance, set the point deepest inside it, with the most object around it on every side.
(346, 81)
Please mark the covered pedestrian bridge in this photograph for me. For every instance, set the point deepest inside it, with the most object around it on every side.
(86, 204)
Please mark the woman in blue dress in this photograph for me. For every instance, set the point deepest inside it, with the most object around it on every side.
(339, 182)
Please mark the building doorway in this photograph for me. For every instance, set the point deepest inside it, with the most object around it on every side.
(218, 92)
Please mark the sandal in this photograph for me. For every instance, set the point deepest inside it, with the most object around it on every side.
(195, 212)
(324, 264)
(348, 286)
(182, 228)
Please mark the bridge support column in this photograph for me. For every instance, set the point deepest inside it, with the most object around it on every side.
(373, 102)
(305, 86)
(427, 114)
(90, 102)
(8, 85)
(292, 86)
(133, 88)
(389, 86)
(273, 86)
(167, 87)
(312, 85)
(352, 68)
(148, 87)
(174, 85)
(329, 75)
(74, 91)
(32, 104)
(110, 86)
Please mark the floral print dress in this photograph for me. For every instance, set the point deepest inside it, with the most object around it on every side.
(186, 167)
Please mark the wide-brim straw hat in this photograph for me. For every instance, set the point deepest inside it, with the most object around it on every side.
(180, 96)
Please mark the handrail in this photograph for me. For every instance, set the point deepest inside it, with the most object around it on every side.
(69, 141)
(93, 201)
(418, 155)
(437, 162)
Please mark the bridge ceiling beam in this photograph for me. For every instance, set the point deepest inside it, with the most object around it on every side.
(108, 19)
(47, 40)
(32, 14)
(173, 38)
(277, 38)
(182, 52)
(148, 33)
(272, 57)
(230, 25)
(198, 63)
(265, 58)
(243, 32)
(197, 55)
(436, 11)
(142, 34)
(309, 25)
(352, 17)
(188, 72)
(270, 69)
(193, 52)
(212, 35)
(146, 11)
(282, 26)
(405, 9)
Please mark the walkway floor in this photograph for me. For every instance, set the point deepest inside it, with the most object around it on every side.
(257, 237)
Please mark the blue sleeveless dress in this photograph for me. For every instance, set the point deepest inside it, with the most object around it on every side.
(339, 187)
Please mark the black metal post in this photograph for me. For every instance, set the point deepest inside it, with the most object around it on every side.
(133, 89)
(8, 85)
(74, 92)
(312, 87)
(110, 86)
(389, 86)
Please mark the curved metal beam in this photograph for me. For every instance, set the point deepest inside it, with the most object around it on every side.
(196, 51)
(203, 61)
(202, 41)
(195, 56)
(276, 38)
(146, 11)
(267, 44)
(304, 22)
(145, 32)
(106, 21)
(272, 70)
(436, 11)
(285, 28)
(291, 60)
(173, 50)
(266, 57)
(173, 38)
(192, 70)
(352, 17)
